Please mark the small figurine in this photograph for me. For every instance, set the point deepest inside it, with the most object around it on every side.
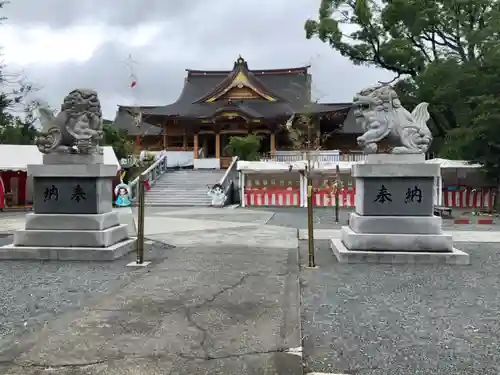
(122, 194)
(217, 194)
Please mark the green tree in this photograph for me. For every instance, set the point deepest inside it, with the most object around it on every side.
(405, 36)
(19, 132)
(6, 118)
(17, 113)
(444, 52)
(118, 140)
(245, 148)
(18, 116)
(427, 42)
(479, 139)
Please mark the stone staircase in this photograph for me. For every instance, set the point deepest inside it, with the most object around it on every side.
(183, 188)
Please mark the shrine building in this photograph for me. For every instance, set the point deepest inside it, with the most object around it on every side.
(217, 104)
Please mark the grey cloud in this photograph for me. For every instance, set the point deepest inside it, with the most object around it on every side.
(107, 73)
(266, 37)
(62, 13)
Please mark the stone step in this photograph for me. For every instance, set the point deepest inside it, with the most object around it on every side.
(174, 199)
(177, 199)
(180, 187)
(12, 252)
(190, 183)
(71, 238)
(183, 188)
(196, 178)
(175, 184)
(176, 192)
(186, 185)
(195, 174)
(179, 191)
(180, 204)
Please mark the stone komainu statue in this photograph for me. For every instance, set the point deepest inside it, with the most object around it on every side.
(381, 115)
(76, 129)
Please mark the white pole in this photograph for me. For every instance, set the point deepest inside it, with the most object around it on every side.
(435, 187)
(440, 188)
(301, 188)
(242, 188)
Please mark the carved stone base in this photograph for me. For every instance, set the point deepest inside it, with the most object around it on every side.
(344, 255)
(73, 216)
(395, 242)
(12, 252)
(396, 224)
(66, 158)
(394, 220)
(70, 237)
(94, 222)
(72, 188)
(395, 185)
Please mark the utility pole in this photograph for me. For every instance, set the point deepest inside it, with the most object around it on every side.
(310, 228)
(140, 220)
(337, 192)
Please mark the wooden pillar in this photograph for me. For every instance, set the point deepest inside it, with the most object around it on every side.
(318, 138)
(165, 140)
(217, 145)
(273, 143)
(205, 147)
(185, 141)
(195, 148)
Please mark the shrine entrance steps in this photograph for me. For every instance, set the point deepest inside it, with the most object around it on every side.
(183, 188)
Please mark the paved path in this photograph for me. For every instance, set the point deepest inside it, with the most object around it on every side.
(386, 319)
(225, 301)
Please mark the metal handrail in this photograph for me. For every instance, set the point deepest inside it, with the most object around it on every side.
(150, 175)
(228, 180)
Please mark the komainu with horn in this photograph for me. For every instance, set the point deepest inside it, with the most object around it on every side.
(76, 129)
(380, 113)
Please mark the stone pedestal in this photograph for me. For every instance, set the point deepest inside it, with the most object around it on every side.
(73, 215)
(394, 219)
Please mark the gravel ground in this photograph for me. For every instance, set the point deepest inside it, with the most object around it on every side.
(34, 292)
(324, 218)
(370, 319)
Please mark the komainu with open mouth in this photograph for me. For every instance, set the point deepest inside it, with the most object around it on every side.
(380, 113)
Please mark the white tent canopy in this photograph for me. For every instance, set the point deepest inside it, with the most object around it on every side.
(453, 164)
(18, 157)
(272, 166)
(268, 166)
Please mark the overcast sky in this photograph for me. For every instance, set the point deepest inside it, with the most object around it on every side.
(63, 44)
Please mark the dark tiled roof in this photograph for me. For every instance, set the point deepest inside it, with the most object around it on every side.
(319, 108)
(291, 88)
(124, 121)
(240, 66)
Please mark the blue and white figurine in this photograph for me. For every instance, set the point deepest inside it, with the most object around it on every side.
(122, 194)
